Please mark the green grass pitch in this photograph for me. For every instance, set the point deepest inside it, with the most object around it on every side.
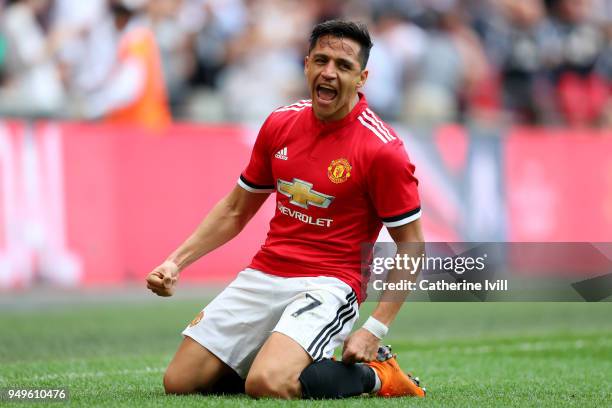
(467, 354)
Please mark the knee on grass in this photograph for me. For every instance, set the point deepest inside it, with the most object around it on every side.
(176, 383)
(267, 384)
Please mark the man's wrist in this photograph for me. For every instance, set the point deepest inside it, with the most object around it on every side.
(172, 264)
(377, 328)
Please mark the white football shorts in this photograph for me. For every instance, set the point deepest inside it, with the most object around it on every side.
(317, 312)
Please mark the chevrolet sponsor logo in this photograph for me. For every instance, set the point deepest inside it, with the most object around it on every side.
(305, 218)
(300, 193)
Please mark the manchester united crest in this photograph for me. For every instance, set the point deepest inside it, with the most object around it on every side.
(197, 319)
(339, 171)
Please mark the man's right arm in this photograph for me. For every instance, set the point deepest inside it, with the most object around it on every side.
(227, 218)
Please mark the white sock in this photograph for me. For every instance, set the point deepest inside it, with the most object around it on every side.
(377, 384)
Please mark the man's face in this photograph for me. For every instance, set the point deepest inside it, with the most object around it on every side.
(333, 72)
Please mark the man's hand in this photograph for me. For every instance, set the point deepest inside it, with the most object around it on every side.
(361, 346)
(163, 279)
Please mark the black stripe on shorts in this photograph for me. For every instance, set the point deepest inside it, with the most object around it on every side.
(338, 328)
(351, 298)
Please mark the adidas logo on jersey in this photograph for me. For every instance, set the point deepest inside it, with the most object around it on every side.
(282, 154)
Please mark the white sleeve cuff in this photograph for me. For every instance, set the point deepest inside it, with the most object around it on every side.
(254, 188)
(402, 219)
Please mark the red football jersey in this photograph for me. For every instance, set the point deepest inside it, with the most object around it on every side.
(336, 184)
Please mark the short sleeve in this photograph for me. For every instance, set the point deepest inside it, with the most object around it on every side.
(257, 177)
(392, 186)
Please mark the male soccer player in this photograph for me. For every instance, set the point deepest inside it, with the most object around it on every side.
(339, 174)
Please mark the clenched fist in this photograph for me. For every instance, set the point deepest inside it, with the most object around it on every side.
(162, 279)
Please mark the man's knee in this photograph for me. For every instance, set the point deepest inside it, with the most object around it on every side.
(193, 369)
(263, 384)
(175, 382)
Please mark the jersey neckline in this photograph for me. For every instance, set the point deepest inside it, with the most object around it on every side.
(325, 127)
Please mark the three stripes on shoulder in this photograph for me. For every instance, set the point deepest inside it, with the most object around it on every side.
(372, 122)
(367, 119)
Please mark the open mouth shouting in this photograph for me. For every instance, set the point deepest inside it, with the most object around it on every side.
(326, 94)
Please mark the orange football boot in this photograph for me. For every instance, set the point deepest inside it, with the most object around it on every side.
(394, 382)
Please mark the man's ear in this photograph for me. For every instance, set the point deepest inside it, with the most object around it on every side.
(363, 77)
(305, 64)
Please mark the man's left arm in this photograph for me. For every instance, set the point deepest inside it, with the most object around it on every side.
(363, 344)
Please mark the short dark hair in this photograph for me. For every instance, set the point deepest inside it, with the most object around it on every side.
(344, 29)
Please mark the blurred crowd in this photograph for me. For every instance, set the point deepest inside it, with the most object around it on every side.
(499, 61)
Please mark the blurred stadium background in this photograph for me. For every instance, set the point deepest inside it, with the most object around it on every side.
(123, 121)
(491, 61)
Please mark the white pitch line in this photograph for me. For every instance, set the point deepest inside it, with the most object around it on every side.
(524, 346)
(483, 349)
(92, 374)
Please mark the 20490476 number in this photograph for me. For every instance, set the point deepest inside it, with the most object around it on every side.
(15, 394)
